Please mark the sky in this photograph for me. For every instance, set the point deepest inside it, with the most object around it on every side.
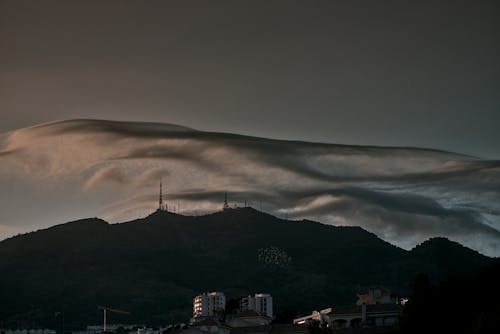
(392, 73)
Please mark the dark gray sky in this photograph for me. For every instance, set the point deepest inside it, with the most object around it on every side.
(355, 72)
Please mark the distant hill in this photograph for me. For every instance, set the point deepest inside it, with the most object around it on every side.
(153, 267)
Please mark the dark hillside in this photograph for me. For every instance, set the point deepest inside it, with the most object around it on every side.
(154, 266)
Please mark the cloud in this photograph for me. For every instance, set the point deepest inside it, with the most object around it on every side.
(404, 195)
(404, 219)
(150, 177)
(115, 128)
(111, 175)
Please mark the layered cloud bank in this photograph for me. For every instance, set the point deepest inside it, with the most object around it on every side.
(65, 170)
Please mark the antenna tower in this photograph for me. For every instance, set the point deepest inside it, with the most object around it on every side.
(161, 205)
(225, 206)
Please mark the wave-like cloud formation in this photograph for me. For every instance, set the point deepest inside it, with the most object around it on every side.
(75, 168)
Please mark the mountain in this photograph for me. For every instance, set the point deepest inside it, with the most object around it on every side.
(154, 266)
(80, 168)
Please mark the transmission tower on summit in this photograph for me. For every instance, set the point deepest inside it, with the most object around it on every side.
(161, 205)
(226, 205)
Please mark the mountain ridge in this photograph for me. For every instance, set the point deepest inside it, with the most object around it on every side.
(158, 215)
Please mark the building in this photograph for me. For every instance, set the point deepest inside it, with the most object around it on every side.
(376, 315)
(208, 304)
(321, 316)
(376, 295)
(349, 316)
(262, 303)
(374, 309)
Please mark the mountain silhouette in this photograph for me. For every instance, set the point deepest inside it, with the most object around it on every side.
(153, 267)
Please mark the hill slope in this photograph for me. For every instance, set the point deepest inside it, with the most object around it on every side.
(154, 266)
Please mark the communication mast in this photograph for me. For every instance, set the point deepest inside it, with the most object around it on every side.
(225, 206)
(161, 205)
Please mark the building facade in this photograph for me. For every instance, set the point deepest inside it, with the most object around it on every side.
(262, 303)
(376, 307)
(376, 295)
(208, 304)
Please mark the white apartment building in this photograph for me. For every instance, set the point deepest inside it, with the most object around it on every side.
(207, 304)
(261, 303)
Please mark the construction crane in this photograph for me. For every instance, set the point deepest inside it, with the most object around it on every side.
(106, 309)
